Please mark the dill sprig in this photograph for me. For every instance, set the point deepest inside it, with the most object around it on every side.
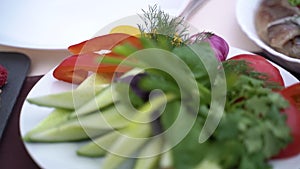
(158, 22)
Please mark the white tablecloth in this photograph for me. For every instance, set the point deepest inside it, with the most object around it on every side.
(216, 16)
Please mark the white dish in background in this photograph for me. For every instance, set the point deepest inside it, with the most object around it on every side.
(245, 14)
(63, 155)
(57, 24)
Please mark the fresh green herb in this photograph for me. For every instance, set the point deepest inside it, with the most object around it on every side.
(251, 130)
(294, 2)
(158, 22)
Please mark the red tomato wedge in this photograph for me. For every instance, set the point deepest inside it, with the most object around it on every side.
(105, 42)
(292, 94)
(260, 64)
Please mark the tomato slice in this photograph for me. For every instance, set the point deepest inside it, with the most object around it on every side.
(292, 94)
(260, 64)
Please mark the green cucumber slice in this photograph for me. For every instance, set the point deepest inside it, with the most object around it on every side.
(73, 98)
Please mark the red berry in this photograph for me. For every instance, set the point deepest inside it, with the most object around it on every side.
(3, 76)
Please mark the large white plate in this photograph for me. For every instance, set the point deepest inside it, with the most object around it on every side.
(63, 155)
(55, 24)
(245, 14)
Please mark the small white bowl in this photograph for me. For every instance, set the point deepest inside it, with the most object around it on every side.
(245, 14)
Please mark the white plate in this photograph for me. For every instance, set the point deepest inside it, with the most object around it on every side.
(55, 24)
(63, 155)
(245, 14)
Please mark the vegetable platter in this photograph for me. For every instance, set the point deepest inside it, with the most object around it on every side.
(157, 97)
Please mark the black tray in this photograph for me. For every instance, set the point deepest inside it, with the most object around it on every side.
(17, 65)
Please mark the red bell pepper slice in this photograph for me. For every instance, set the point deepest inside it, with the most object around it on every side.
(75, 69)
(105, 42)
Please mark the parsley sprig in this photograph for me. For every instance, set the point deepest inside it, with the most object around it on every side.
(251, 130)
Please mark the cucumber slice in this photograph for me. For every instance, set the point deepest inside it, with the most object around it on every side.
(102, 100)
(94, 80)
(150, 154)
(74, 98)
(82, 128)
(166, 160)
(65, 133)
(56, 117)
(94, 147)
(120, 151)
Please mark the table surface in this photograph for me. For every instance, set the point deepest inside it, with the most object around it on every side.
(215, 16)
(210, 17)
